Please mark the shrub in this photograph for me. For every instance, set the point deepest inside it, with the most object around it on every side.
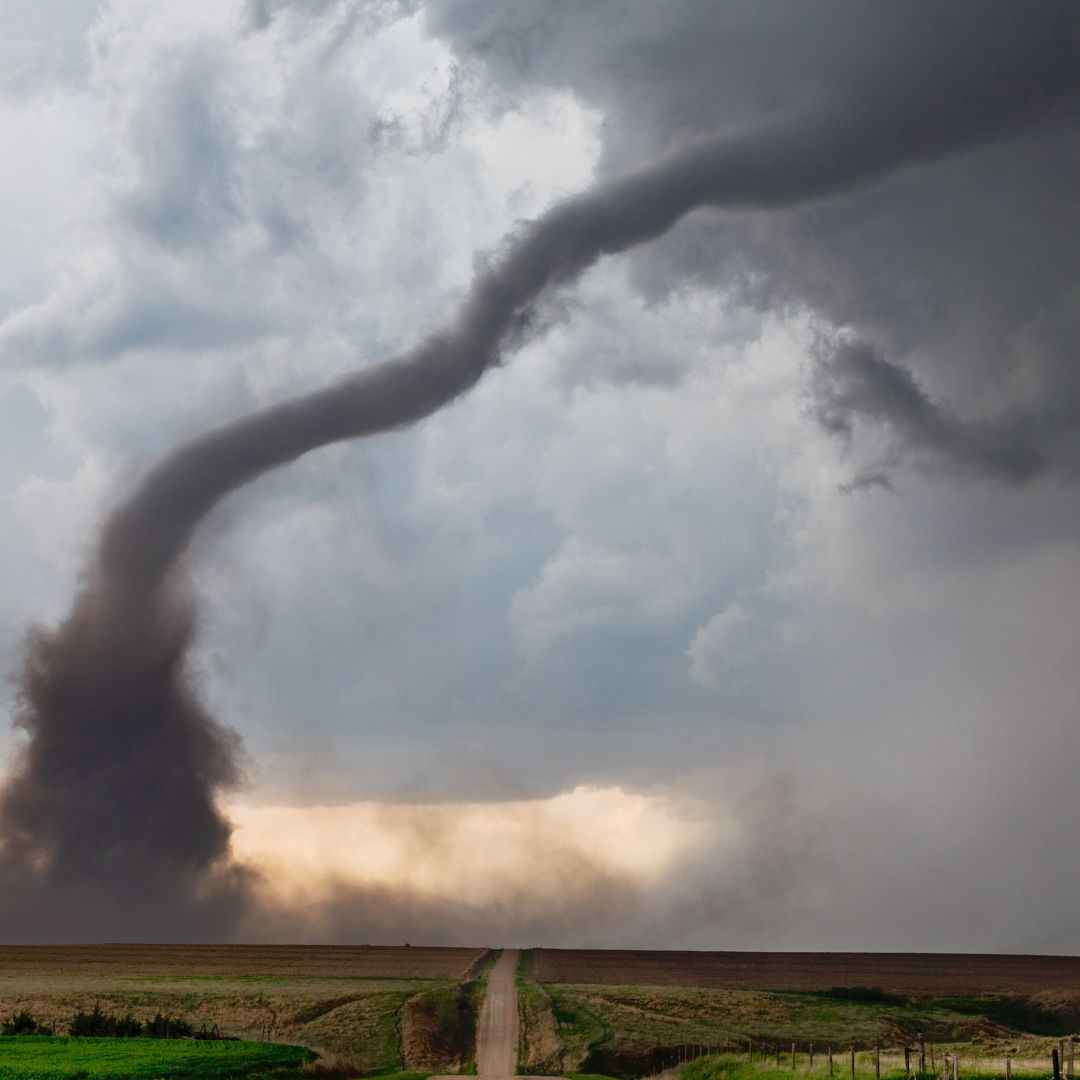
(24, 1024)
(166, 1027)
(98, 1025)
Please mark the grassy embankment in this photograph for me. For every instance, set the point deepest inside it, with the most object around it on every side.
(439, 1027)
(540, 1050)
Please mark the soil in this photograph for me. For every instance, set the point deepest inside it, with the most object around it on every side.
(936, 974)
(308, 961)
(497, 1032)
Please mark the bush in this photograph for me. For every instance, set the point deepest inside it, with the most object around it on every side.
(24, 1024)
(100, 1025)
(166, 1027)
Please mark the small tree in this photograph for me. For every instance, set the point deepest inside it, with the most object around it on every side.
(92, 1025)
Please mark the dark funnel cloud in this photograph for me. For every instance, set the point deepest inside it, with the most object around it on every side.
(109, 821)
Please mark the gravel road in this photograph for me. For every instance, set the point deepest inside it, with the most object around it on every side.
(497, 1030)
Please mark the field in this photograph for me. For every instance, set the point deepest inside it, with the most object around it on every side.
(631, 1014)
(344, 1001)
(141, 1059)
(904, 973)
(307, 961)
(621, 1014)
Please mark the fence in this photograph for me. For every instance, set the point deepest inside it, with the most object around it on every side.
(923, 1061)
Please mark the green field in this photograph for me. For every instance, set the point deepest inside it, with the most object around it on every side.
(36, 1058)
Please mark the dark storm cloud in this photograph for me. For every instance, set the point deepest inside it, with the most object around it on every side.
(962, 272)
(856, 383)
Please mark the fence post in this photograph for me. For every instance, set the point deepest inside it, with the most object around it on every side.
(1072, 1048)
(792, 1057)
(877, 1063)
(907, 1060)
(933, 1060)
(853, 1063)
(811, 1055)
(1057, 1063)
(955, 1066)
(1008, 1067)
(830, 1059)
(922, 1053)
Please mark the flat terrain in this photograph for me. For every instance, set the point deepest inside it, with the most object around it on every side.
(906, 973)
(307, 961)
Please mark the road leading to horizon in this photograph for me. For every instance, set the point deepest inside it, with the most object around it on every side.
(497, 1031)
(498, 1028)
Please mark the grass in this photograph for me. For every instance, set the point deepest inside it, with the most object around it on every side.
(732, 1067)
(43, 1058)
(629, 1031)
(356, 1019)
(450, 1014)
(540, 1049)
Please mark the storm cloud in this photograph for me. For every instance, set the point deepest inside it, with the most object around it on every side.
(887, 192)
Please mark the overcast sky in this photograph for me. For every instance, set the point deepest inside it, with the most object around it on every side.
(769, 530)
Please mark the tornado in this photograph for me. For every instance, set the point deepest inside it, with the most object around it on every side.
(109, 824)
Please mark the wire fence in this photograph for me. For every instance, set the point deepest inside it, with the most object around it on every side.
(922, 1060)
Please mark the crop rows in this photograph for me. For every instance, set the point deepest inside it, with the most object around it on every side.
(905, 973)
(307, 961)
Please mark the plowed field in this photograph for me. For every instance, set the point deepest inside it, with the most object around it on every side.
(281, 961)
(903, 973)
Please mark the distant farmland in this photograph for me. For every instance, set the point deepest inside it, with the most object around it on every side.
(278, 961)
(903, 973)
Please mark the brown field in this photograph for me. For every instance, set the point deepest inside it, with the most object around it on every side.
(279, 961)
(904, 973)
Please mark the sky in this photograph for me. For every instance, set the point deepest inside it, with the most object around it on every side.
(736, 606)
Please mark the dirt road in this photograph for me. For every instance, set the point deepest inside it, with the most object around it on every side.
(497, 1030)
